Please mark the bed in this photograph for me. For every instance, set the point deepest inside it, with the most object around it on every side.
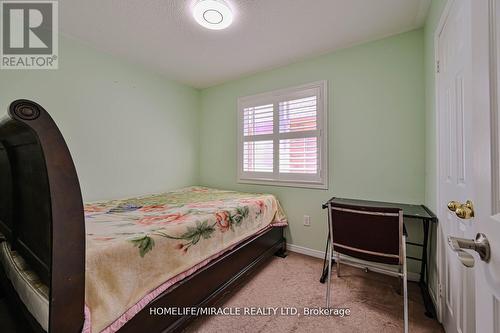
(104, 266)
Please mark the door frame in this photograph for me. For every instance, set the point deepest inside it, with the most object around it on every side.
(437, 295)
(494, 100)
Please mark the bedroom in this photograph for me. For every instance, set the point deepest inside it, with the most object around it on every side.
(216, 134)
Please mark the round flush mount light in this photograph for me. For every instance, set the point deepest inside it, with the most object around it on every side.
(213, 14)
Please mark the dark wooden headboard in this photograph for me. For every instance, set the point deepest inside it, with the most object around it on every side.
(41, 209)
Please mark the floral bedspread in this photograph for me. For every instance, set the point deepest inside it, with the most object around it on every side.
(136, 245)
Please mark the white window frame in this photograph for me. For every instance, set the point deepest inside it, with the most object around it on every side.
(318, 181)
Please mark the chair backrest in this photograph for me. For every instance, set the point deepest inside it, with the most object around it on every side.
(368, 233)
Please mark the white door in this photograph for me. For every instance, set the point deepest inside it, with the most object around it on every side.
(486, 157)
(469, 134)
(455, 113)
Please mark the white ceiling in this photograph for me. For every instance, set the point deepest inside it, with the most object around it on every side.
(163, 35)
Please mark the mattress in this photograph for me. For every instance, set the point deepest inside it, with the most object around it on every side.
(137, 248)
(32, 292)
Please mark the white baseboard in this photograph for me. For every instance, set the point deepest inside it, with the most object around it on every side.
(305, 250)
(412, 276)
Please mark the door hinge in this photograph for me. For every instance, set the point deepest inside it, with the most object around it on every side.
(438, 67)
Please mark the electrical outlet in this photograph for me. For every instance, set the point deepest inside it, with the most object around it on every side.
(307, 220)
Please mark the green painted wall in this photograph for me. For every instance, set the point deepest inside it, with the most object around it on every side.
(376, 129)
(130, 131)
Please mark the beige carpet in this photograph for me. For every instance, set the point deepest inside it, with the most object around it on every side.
(294, 282)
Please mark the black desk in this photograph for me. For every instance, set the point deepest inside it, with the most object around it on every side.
(419, 212)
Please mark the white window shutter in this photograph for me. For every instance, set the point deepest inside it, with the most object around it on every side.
(282, 137)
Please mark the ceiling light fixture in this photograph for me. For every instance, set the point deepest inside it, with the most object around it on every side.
(213, 14)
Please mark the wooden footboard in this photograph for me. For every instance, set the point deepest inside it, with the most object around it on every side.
(42, 217)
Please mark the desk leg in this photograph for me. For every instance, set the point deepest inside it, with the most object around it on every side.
(324, 275)
(430, 311)
(423, 267)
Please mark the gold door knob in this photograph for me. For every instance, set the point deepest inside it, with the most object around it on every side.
(454, 205)
(464, 211)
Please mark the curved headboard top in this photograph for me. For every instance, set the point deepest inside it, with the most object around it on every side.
(41, 208)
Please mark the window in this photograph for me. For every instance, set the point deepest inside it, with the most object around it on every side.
(282, 137)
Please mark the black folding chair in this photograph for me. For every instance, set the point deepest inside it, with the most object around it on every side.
(375, 235)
